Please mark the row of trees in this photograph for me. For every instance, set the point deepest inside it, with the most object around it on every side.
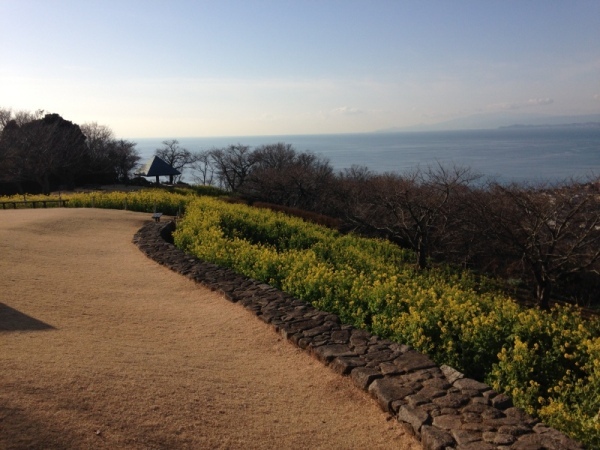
(47, 150)
(543, 236)
(275, 173)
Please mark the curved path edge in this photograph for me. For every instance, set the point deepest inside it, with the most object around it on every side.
(439, 405)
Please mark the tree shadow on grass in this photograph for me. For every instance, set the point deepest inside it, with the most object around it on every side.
(13, 320)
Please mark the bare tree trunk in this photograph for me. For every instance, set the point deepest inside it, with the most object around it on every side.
(422, 250)
(543, 289)
(44, 182)
(543, 296)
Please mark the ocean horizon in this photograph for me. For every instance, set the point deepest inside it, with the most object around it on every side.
(505, 154)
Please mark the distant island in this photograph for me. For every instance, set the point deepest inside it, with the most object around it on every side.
(503, 120)
(584, 125)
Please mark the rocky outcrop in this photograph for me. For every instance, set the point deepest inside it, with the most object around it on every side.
(439, 405)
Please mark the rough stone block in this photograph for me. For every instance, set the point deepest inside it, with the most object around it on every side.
(364, 376)
(499, 438)
(326, 327)
(380, 356)
(484, 411)
(416, 400)
(431, 392)
(554, 439)
(360, 349)
(502, 401)
(411, 361)
(528, 442)
(265, 318)
(345, 364)
(435, 439)
(463, 437)
(514, 430)
(468, 384)
(437, 383)
(318, 341)
(477, 426)
(388, 368)
(492, 413)
(501, 422)
(470, 417)
(447, 422)
(451, 373)
(332, 318)
(414, 416)
(521, 415)
(304, 343)
(295, 338)
(480, 400)
(387, 390)
(326, 353)
(286, 333)
(479, 445)
(340, 337)
(451, 401)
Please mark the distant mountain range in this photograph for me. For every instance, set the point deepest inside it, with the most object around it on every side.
(576, 125)
(503, 120)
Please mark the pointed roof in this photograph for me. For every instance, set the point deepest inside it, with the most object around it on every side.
(157, 167)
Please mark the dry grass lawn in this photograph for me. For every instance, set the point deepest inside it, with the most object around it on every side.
(102, 348)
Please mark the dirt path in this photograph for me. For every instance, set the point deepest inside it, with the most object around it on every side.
(100, 347)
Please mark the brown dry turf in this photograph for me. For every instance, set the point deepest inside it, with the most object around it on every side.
(100, 348)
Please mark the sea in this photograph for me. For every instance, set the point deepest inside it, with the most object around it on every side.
(512, 154)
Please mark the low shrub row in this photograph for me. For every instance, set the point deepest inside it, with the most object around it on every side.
(146, 200)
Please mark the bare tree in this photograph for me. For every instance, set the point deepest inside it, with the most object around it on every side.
(12, 158)
(232, 165)
(311, 177)
(202, 168)
(554, 231)
(177, 157)
(8, 151)
(286, 177)
(124, 158)
(277, 156)
(98, 138)
(111, 159)
(413, 210)
(99, 141)
(24, 117)
(20, 117)
(5, 117)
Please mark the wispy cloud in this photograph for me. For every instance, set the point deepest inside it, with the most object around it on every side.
(539, 101)
(347, 111)
(596, 97)
(448, 114)
(532, 102)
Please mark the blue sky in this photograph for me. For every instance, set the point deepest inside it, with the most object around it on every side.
(239, 68)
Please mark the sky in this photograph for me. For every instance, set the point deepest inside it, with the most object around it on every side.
(252, 68)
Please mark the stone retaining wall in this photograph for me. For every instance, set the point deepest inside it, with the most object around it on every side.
(439, 405)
